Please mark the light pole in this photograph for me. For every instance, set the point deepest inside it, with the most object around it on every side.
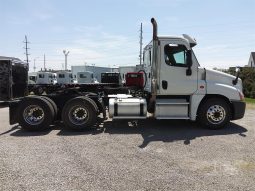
(66, 54)
(34, 63)
(85, 63)
(93, 68)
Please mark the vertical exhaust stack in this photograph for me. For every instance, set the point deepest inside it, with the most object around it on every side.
(155, 28)
(154, 63)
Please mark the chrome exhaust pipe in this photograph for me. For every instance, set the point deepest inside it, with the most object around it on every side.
(154, 65)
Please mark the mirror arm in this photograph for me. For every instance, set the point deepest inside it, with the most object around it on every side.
(189, 60)
(234, 82)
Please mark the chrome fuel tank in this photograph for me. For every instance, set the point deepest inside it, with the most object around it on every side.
(127, 108)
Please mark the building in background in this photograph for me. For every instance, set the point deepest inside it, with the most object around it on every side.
(251, 62)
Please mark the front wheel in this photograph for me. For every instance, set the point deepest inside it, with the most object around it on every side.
(215, 113)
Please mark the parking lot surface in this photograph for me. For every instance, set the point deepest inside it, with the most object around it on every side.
(152, 155)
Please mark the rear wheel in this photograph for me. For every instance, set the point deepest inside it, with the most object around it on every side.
(79, 113)
(35, 113)
(214, 113)
(55, 108)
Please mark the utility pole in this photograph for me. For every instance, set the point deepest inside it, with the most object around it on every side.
(141, 43)
(66, 54)
(44, 62)
(26, 49)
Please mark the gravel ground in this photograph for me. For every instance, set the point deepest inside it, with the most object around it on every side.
(155, 155)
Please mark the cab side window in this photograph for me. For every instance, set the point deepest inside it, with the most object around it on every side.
(175, 55)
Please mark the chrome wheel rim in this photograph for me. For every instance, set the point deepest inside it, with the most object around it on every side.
(78, 115)
(216, 114)
(33, 115)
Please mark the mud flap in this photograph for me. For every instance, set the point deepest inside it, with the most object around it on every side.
(13, 112)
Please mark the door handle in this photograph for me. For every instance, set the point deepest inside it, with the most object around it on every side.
(164, 84)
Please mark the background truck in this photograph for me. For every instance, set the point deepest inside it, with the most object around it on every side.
(175, 87)
(32, 78)
(111, 77)
(86, 77)
(65, 77)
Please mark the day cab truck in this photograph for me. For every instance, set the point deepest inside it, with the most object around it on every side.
(175, 87)
(85, 77)
(111, 77)
(65, 77)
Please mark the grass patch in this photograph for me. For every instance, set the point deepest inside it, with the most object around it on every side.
(250, 100)
(250, 103)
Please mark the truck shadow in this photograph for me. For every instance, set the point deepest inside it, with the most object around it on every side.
(150, 130)
(169, 130)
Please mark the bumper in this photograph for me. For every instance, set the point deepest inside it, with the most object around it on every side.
(238, 109)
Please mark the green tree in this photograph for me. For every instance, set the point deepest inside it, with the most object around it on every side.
(247, 75)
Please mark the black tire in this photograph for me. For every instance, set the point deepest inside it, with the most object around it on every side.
(93, 102)
(39, 91)
(86, 117)
(43, 110)
(55, 108)
(214, 113)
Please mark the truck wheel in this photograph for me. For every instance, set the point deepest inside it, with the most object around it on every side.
(53, 104)
(214, 113)
(39, 91)
(35, 113)
(79, 113)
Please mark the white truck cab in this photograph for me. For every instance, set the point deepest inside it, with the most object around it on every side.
(65, 77)
(182, 89)
(46, 78)
(32, 77)
(86, 77)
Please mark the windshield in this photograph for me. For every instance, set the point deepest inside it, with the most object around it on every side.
(83, 76)
(147, 57)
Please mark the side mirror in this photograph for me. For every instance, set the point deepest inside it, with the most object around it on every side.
(189, 63)
(234, 82)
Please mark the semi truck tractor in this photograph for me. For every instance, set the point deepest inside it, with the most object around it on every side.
(174, 86)
(86, 77)
(65, 77)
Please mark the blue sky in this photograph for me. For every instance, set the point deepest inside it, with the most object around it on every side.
(106, 32)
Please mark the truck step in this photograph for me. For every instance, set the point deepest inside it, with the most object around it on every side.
(172, 109)
(172, 117)
(129, 117)
(172, 102)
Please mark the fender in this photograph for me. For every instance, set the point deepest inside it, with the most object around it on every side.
(222, 89)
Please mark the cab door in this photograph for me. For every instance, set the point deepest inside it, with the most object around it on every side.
(173, 79)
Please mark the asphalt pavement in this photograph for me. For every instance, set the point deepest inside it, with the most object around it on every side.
(120, 155)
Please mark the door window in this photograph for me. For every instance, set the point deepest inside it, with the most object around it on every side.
(175, 55)
(61, 75)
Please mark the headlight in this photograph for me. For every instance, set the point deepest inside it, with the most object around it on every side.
(241, 95)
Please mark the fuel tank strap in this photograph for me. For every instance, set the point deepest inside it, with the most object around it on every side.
(141, 109)
(115, 109)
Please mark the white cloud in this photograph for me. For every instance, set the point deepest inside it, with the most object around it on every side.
(97, 47)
